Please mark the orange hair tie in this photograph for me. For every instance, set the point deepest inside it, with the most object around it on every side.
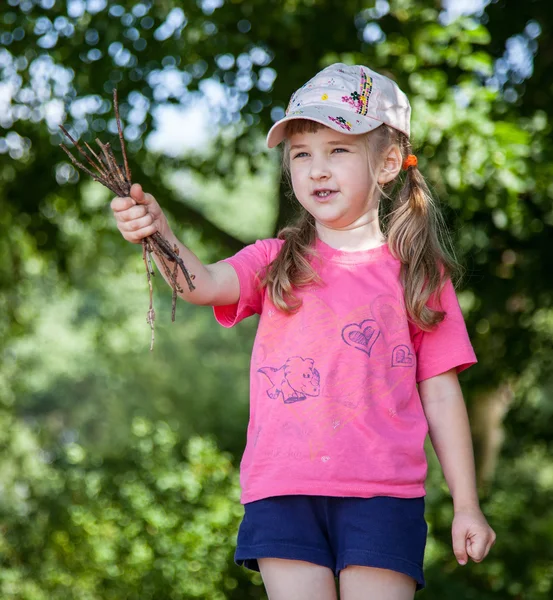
(410, 161)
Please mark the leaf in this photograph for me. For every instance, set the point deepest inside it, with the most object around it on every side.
(479, 62)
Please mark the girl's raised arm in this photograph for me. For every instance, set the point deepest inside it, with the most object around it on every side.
(139, 215)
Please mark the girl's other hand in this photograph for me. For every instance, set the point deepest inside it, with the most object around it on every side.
(139, 215)
(472, 536)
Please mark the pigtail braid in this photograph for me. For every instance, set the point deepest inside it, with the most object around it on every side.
(416, 236)
(292, 268)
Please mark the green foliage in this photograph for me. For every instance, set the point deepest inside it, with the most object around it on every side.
(93, 508)
(157, 521)
(518, 507)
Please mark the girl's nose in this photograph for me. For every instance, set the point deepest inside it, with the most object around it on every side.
(319, 169)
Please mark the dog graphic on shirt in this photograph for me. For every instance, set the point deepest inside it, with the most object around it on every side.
(294, 381)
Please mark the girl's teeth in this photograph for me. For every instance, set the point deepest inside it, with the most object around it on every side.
(323, 194)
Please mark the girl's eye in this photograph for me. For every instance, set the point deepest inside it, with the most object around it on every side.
(340, 150)
(300, 154)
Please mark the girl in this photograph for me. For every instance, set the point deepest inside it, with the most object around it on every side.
(359, 344)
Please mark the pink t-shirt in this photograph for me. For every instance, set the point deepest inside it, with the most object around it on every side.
(334, 405)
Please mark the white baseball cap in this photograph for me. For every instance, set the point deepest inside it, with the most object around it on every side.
(351, 99)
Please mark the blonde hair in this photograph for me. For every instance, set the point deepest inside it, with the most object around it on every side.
(411, 222)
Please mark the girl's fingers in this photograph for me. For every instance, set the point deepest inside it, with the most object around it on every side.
(477, 549)
(490, 543)
(119, 204)
(137, 224)
(137, 236)
(139, 196)
(135, 212)
(136, 193)
(460, 547)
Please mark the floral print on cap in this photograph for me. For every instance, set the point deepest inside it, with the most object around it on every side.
(360, 100)
(341, 122)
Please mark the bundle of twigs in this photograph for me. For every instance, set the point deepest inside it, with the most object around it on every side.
(117, 178)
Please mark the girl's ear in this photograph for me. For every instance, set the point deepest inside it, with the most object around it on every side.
(391, 165)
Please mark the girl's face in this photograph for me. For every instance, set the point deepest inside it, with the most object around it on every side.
(331, 178)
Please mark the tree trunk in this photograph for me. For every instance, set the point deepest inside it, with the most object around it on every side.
(486, 415)
(287, 206)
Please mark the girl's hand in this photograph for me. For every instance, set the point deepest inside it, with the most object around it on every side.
(138, 215)
(472, 536)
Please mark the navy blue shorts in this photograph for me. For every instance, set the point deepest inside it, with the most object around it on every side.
(384, 532)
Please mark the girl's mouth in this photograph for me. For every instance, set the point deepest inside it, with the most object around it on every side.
(323, 195)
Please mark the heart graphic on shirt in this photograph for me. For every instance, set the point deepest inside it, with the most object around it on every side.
(361, 336)
(402, 357)
(391, 318)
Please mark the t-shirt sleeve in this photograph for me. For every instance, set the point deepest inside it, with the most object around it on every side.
(248, 264)
(447, 346)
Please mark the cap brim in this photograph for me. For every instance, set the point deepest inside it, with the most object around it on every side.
(341, 120)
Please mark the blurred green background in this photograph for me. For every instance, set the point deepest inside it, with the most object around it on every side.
(118, 467)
